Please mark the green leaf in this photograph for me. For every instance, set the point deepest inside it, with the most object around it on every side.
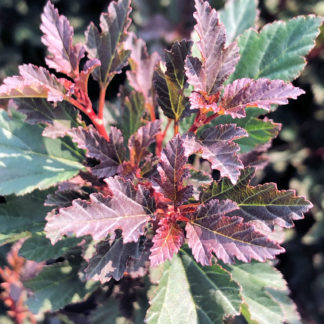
(55, 286)
(24, 214)
(29, 161)
(263, 203)
(170, 85)
(237, 16)
(132, 111)
(39, 248)
(265, 293)
(260, 132)
(278, 50)
(189, 293)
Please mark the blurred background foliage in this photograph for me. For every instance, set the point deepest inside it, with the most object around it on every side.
(297, 155)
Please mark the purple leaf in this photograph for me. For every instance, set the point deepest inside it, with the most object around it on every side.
(216, 145)
(210, 232)
(129, 209)
(261, 93)
(110, 261)
(58, 37)
(142, 66)
(107, 44)
(110, 154)
(81, 82)
(173, 172)
(167, 241)
(218, 62)
(142, 139)
(59, 119)
(263, 203)
(170, 85)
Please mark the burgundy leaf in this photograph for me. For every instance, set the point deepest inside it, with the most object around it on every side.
(216, 145)
(263, 203)
(173, 172)
(59, 118)
(142, 139)
(110, 154)
(64, 198)
(129, 209)
(261, 93)
(167, 241)
(170, 85)
(110, 261)
(218, 62)
(58, 37)
(142, 66)
(211, 231)
(107, 45)
(35, 82)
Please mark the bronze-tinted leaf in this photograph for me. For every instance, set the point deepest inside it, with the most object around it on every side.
(210, 231)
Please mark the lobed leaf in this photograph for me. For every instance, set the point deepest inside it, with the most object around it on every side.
(237, 16)
(260, 93)
(260, 131)
(167, 241)
(106, 45)
(210, 231)
(218, 62)
(142, 66)
(189, 293)
(29, 160)
(263, 203)
(278, 51)
(265, 293)
(217, 146)
(170, 85)
(58, 37)
(110, 261)
(129, 209)
(59, 119)
(109, 154)
(142, 139)
(173, 172)
(35, 82)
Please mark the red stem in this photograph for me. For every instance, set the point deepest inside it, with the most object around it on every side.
(102, 96)
(150, 108)
(176, 127)
(97, 122)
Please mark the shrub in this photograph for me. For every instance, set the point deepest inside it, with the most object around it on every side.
(135, 216)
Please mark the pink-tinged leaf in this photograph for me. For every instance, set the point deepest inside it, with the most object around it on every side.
(35, 82)
(58, 37)
(142, 139)
(109, 154)
(107, 45)
(263, 203)
(129, 209)
(216, 145)
(110, 261)
(261, 93)
(210, 232)
(218, 61)
(173, 172)
(142, 66)
(167, 241)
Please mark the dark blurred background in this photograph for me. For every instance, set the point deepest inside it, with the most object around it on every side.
(296, 158)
